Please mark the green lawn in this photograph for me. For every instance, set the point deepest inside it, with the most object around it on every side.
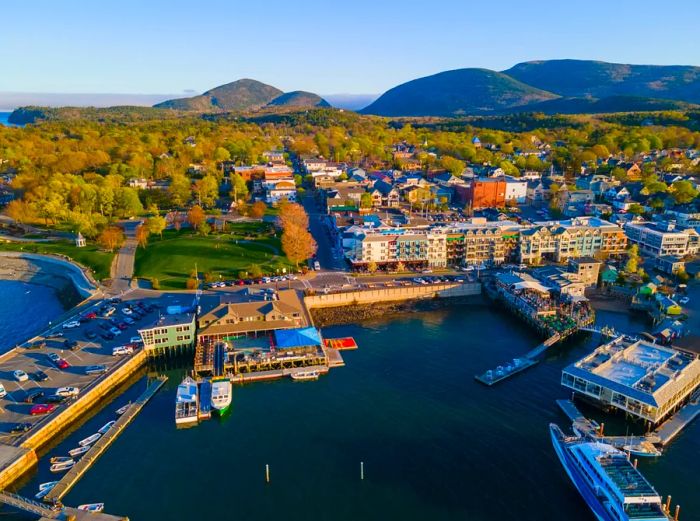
(173, 258)
(90, 256)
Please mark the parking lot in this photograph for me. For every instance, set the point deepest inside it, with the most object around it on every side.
(86, 344)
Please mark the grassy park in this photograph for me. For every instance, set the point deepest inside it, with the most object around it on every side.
(90, 256)
(224, 256)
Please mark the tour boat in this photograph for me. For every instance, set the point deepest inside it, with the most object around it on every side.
(609, 483)
(60, 467)
(44, 489)
(221, 394)
(305, 375)
(186, 402)
(92, 507)
(123, 409)
(79, 450)
(60, 459)
(90, 440)
(644, 449)
(103, 430)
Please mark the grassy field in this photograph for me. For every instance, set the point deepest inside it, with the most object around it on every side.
(173, 258)
(90, 256)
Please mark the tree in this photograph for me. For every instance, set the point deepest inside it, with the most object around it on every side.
(297, 243)
(632, 264)
(18, 210)
(142, 236)
(191, 283)
(257, 211)
(239, 188)
(400, 267)
(207, 190)
(636, 209)
(204, 229)
(196, 216)
(111, 238)
(372, 267)
(366, 200)
(180, 190)
(293, 214)
(683, 192)
(255, 271)
(156, 225)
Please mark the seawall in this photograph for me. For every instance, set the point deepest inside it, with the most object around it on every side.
(71, 284)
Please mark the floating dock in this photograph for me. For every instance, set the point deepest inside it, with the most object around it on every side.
(204, 402)
(500, 373)
(340, 344)
(674, 425)
(82, 466)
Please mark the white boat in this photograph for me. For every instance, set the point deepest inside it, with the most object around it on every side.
(60, 467)
(79, 450)
(305, 375)
(103, 430)
(186, 400)
(123, 409)
(221, 395)
(48, 484)
(92, 507)
(60, 459)
(44, 489)
(90, 440)
(644, 449)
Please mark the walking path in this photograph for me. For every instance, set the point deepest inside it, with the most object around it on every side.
(123, 265)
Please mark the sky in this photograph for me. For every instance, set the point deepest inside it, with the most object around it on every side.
(327, 47)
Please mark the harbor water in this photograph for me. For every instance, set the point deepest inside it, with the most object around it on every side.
(435, 444)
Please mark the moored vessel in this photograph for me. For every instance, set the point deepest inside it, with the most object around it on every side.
(221, 395)
(63, 466)
(79, 450)
(186, 398)
(92, 507)
(89, 440)
(305, 375)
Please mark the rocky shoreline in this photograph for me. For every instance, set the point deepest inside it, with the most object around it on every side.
(339, 315)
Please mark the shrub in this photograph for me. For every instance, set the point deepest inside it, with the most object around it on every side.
(191, 283)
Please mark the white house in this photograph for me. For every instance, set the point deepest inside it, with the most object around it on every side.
(516, 189)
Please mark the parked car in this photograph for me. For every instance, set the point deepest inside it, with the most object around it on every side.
(34, 395)
(20, 375)
(135, 340)
(127, 311)
(122, 350)
(71, 325)
(42, 408)
(96, 369)
(67, 391)
(18, 428)
(39, 376)
(55, 398)
(122, 326)
(107, 335)
(115, 331)
(71, 344)
(36, 345)
(129, 321)
(58, 361)
(91, 335)
(90, 315)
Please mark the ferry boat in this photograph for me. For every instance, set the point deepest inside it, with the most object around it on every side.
(92, 507)
(221, 395)
(103, 430)
(89, 440)
(60, 467)
(79, 450)
(186, 402)
(305, 375)
(606, 479)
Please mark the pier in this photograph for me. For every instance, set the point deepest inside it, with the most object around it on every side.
(82, 466)
(45, 512)
(674, 425)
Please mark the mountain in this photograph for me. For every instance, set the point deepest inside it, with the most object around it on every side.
(583, 78)
(298, 98)
(604, 105)
(239, 95)
(457, 92)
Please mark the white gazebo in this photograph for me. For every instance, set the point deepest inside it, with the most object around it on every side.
(79, 240)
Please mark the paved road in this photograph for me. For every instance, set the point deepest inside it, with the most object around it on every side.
(123, 265)
(328, 255)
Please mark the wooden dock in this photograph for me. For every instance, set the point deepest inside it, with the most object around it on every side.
(670, 428)
(275, 374)
(517, 365)
(82, 466)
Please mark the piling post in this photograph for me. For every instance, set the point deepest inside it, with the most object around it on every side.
(362, 470)
(678, 511)
(635, 463)
(267, 473)
(668, 504)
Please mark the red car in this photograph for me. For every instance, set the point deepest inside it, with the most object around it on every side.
(62, 364)
(90, 315)
(122, 326)
(42, 408)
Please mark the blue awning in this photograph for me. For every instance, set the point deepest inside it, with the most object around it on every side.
(290, 338)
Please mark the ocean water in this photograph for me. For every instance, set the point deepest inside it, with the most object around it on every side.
(4, 118)
(24, 310)
(435, 443)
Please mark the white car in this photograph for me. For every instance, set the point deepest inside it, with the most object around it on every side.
(115, 331)
(67, 391)
(122, 350)
(135, 340)
(72, 324)
(127, 311)
(20, 375)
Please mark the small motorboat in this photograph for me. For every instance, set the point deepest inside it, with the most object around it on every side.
(79, 450)
(123, 409)
(61, 467)
(44, 489)
(60, 459)
(645, 449)
(305, 375)
(48, 484)
(90, 440)
(92, 507)
(103, 430)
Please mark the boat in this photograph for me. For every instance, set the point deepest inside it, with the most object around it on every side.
(221, 394)
(60, 467)
(90, 440)
(103, 430)
(644, 449)
(92, 507)
(123, 409)
(79, 450)
(186, 409)
(305, 375)
(44, 489)
(60, 459)
(607, 480)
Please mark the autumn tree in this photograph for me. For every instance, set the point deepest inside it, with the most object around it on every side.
(196, 216)
(293, 214)
(142, 236)
(239, 188)
(156, 224)
(111, 238)
(180, 190)
(206, 190)
(297, 243)
(257, 211)
(18, 210)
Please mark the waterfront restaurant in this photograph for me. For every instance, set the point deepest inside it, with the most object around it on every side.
(646, 380)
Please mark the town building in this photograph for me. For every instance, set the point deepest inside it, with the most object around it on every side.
(661, 239)
(172, 331)
(587, 268)
(486, 193)
(645, 380)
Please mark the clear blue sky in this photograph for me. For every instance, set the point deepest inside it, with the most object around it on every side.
(333, 46)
